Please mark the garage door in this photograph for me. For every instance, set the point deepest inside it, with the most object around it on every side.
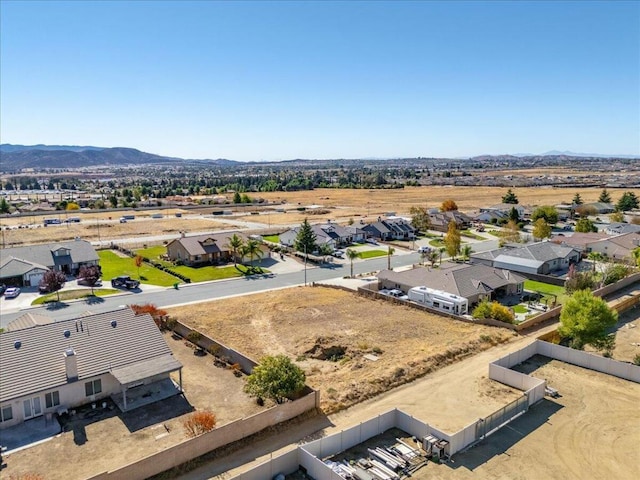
(34, 279)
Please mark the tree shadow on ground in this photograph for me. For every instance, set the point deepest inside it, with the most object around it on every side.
(93, 300)
(56, 305)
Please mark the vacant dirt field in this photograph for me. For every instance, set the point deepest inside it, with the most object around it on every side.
(591, 431)
(113, 439)
(329, 332)
(339, 205)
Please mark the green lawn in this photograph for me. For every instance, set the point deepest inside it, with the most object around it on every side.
(437, 242)
(470, 234)
(520, 309)
(371, 254)
(271, 238)
(74, 294)
(204, 274)
(547, 290)
(114, 265)
(152, 253)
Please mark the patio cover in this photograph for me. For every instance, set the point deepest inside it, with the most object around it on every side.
(136, 372)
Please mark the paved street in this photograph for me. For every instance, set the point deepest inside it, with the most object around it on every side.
(166, 297)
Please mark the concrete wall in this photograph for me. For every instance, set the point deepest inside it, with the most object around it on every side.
(614, 287)
(198, 446)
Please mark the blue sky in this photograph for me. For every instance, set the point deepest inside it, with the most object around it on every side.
(281, 80)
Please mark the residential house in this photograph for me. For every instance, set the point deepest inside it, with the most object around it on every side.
(473, 282)
(536, 258)
(618, 228)
(393, 228)
(25, 266)
(439, 221)
(55, 367)
(207, 249)
(358, 235)
(618, 247)
(581, 241)
(600, 208)
(505, 209)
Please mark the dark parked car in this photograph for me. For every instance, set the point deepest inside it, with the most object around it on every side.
(3, 287)
(124, 281)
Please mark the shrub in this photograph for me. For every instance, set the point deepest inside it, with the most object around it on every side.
(636, 359)
(198, 423)
(495, 310)
(194, 336)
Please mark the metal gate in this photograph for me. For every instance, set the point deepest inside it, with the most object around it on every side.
(487, 425)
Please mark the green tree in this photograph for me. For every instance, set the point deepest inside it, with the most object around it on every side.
(585, 225)
(635, 254)
(420, 219)
(627, 202)
(584, 320)
(306, 238)
(276, 378)
(252, 250)
(614, 272)
(53, 281)
(390, 251)
(510, 197)
(577, 199)
(237, 198)
(514, 214)
(495, 310)
(452, 239)
(466, 252)
(235, 244)
(351, 255)
(432, 256)
(549, 213)
(4, 205)
(604, 196)
(541, 229)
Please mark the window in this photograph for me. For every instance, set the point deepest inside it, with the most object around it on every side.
(52, 399)
(93, 388)
(6, 413)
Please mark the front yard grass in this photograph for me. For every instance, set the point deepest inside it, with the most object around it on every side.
(371, 254)
(271, 238)
(74, 294)
(208, 273)
(114, 266)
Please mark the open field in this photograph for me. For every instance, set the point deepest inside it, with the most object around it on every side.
(329, 332)
(340, 205)
(591, 431)
(115, 439)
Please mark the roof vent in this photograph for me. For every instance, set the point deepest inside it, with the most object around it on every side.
(114, 324)
(17, 344)
(66, 333)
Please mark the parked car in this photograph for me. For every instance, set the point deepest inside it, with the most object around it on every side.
(84, 282)
(338, 254)
(396, 293)
(44, 288)
(125, 281)
(424, 249)
(3, 287)
(11, 292)
(123, 220)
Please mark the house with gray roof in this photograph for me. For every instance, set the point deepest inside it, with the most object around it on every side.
(473, 282)
(52, 368)
(25, 266)
(618, 247)
(536, 258)
(330, 234)
(207, 249)
(618, 228)
(395, 228)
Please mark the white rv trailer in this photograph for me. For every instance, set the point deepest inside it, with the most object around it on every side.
(447, 302)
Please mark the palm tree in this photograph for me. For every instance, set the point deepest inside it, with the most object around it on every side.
(635, 253)
(595, 257)
(351, 255)
(390, 251)
(466, 252)
(433, 256)
(441, 250)
(252, 248)
(235, 245)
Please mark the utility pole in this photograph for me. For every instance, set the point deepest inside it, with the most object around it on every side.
(305, 265)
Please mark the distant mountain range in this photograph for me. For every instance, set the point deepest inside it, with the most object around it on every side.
(16, 157)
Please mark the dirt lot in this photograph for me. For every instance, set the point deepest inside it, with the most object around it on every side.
(329, 332)
(591, 431)
(628, 336)
(98, 443)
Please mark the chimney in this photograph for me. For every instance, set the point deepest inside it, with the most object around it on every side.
(71, 364)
